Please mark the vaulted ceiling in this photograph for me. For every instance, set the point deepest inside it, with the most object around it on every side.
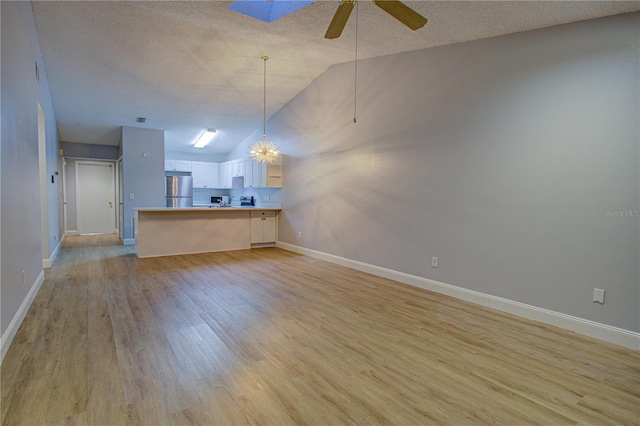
(191, 65)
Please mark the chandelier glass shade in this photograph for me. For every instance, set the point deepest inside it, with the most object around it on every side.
(264, 151)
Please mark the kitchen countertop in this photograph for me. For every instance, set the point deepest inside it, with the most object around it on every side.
(190, 209)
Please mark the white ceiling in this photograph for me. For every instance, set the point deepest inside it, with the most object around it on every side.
(191, 65)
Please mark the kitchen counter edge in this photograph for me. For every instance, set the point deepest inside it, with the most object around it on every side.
(190, 209)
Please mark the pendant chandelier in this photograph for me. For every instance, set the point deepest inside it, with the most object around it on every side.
(264, 151)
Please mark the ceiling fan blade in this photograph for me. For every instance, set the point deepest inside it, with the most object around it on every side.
(340, 19)
(402, 13)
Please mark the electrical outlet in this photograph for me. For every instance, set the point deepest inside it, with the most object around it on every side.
(24, 277)
(434, 262)
(598, 295)
(299, 234)
(131, 196)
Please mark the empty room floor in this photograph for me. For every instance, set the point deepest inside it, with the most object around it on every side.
(270, 337)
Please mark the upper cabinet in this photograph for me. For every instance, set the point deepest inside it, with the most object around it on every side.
(205, 175)
(237, 168)
(177, 166)
(229, 170)
(274, 173)
(261, 175)
(220, 175)
(258, 175)
(248, 173)
(224, 181)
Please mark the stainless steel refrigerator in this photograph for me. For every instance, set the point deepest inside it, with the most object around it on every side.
(179, 191)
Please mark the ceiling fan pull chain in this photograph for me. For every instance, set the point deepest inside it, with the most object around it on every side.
(355, 78)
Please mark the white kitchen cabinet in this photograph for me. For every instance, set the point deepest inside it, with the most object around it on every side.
(259, 174)
(269, 230)
(223, 179)
(205, 175)
(255, 174)
(229, 170)
(177, 166)
(237, 168)
(263, 226)
(212, 174)
(264, 175)
(229, 177)
(248, 173)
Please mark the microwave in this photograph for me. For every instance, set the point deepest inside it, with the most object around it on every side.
(222, 200)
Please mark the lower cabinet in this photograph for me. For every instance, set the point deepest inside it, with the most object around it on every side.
(263, 226)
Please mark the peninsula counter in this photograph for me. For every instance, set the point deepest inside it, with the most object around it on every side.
(174, 231)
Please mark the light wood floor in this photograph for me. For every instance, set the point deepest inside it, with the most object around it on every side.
(270, 337)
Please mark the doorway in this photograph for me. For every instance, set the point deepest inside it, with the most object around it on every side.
(95, 195)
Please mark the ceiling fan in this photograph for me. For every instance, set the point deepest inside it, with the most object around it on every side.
(395, 8)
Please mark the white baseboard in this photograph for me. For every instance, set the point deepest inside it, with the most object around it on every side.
(12, 330)
(46, 263)
(129, 241)
(72, 232)
(589, 328)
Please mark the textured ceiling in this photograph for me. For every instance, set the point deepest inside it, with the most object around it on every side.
(192, 65)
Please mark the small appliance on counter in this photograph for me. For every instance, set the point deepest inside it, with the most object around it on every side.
(247, 201)
(179, 191)
(220, 200)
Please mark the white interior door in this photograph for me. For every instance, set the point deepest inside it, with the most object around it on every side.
(95, 195)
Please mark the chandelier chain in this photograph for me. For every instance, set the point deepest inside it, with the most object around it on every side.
(264, 100)
(264, 151)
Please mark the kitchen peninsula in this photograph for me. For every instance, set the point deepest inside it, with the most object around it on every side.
(174, 231)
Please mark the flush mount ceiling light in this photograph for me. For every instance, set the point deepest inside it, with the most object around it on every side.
(205, 138)
(264, 151)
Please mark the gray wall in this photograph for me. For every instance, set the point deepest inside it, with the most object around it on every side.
(189, 156)
(84, 150)
(514, 160)
(143, 175)
(70, 192)
(20, 223)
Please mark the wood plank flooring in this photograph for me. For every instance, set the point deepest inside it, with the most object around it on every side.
(269, 337)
